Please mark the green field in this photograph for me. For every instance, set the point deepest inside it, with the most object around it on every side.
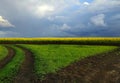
(3, 52)
(51, 58)
(51, 55)
(8, 73)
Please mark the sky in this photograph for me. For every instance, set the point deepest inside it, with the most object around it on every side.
(59, 18)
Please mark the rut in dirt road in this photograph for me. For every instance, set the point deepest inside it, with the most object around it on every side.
(102, 68)
(25, 74)
(8, 58)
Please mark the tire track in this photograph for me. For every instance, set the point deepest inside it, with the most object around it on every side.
(8, 58)
(26, 73)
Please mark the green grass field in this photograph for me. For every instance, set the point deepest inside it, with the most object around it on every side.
(3, 52)
(51, 55)
(10, 70)
(51, 58)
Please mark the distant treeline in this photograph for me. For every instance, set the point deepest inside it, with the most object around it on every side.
(77, 41)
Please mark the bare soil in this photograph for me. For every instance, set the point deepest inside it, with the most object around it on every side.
(25, 74)
(8, 58)
(103, 68)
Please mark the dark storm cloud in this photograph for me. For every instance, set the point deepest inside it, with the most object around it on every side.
(44, 18)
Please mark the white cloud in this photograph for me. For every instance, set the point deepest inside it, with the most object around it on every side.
(62, 27)
(41, 8)
(44, 10)
(5, 23)
(103, 5)
(51, 18)
(65, 27)
(60, 18)
(98, 20)
(86, 3)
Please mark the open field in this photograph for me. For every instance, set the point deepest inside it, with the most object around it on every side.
(51, 58)
(3, 52)
(61, 60)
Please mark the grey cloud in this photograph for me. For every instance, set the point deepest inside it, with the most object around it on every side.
(71, 15)
(98, 20)
(5, 23)
(9, 34)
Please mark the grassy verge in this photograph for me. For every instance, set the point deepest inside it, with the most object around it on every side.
(51, 58)
(10, 70)
(3, 52)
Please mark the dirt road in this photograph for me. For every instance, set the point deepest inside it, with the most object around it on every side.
(8, 58)
(25, 74)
